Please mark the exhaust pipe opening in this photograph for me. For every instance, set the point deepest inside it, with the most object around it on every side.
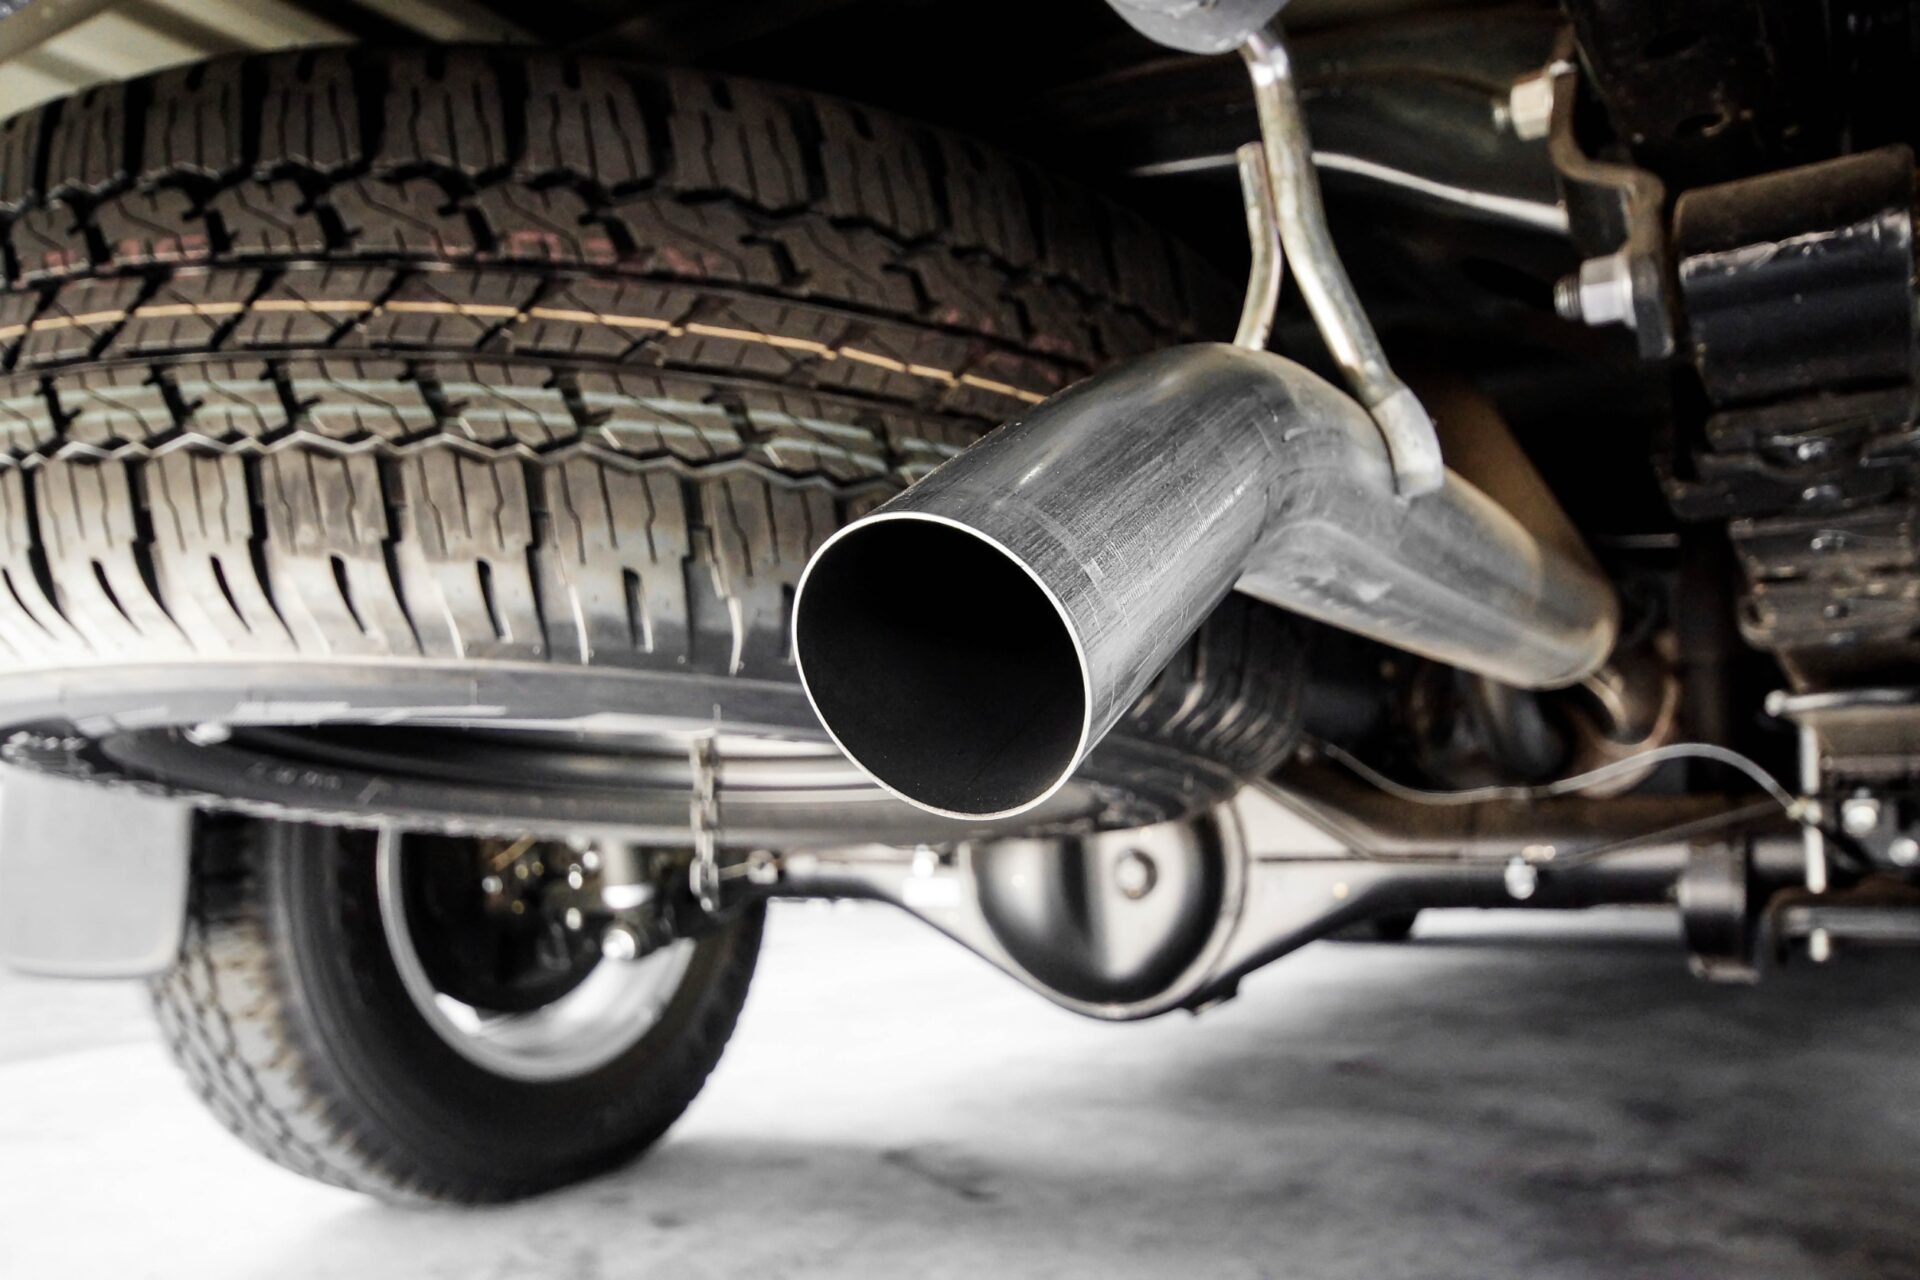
(971, 640)
(916, 619)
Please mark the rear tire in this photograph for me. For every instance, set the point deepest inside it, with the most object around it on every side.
(503, 390)
(292, 1019)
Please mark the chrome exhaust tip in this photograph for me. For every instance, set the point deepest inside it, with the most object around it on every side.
(911, 617)
(969, 642)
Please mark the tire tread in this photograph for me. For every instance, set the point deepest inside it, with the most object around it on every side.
(234, 1017)
(482, 353)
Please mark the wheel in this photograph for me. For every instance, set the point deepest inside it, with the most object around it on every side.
(442, 434)
(344, 1011)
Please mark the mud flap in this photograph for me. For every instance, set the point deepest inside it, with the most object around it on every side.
(93, 880)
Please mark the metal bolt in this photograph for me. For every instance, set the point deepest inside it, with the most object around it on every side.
(1529, 105)
(626, 897)
(619, 942)
(209, 734)
(1826, 541)
(1601, 293)
(576, 878)
(1522, 878)
(491, 885)
(1812, 450)
(1820, 946)
(1135, 874)
(1820, 493)
(1566, 298)
(763, 867)
(1859, 815)
(574, 919)
(1904, 851)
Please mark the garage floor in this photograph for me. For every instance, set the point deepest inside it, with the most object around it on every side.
(1504, 1096)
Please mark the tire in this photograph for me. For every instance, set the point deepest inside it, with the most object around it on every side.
(289, 1016)
(472, 394)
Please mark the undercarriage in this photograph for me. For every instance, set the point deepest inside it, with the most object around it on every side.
(494, 496)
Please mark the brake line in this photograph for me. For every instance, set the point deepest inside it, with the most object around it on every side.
(1803, 811)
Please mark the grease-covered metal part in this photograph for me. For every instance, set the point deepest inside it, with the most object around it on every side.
(1801, 280)
(1103, 527)
(1798, 289)
(1705, 90)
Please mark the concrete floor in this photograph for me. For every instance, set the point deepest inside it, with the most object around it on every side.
(1499, 1098)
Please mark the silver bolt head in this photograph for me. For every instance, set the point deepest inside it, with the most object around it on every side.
(1530, 106)
(1904, 851)
(1820, 946)
(1522, 879)
(1135, 874)
(1601, 293)
(1859, 815)
(210, 733)
(491, 885)
(619, 942)
(574, 919)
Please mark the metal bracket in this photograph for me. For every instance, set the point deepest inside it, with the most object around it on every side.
(1616, 215)
(1301, 222)
(703, 819)
(93, 881)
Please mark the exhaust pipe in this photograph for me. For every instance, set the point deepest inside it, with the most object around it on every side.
(970, 641)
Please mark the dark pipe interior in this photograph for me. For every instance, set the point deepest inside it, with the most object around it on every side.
(941, 666)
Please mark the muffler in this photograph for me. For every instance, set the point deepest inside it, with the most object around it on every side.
(970, 641)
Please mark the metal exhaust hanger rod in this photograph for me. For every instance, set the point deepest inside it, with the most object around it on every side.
(1298, 218)
(970, 641)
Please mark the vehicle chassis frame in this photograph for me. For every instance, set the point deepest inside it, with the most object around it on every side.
(106, 877)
